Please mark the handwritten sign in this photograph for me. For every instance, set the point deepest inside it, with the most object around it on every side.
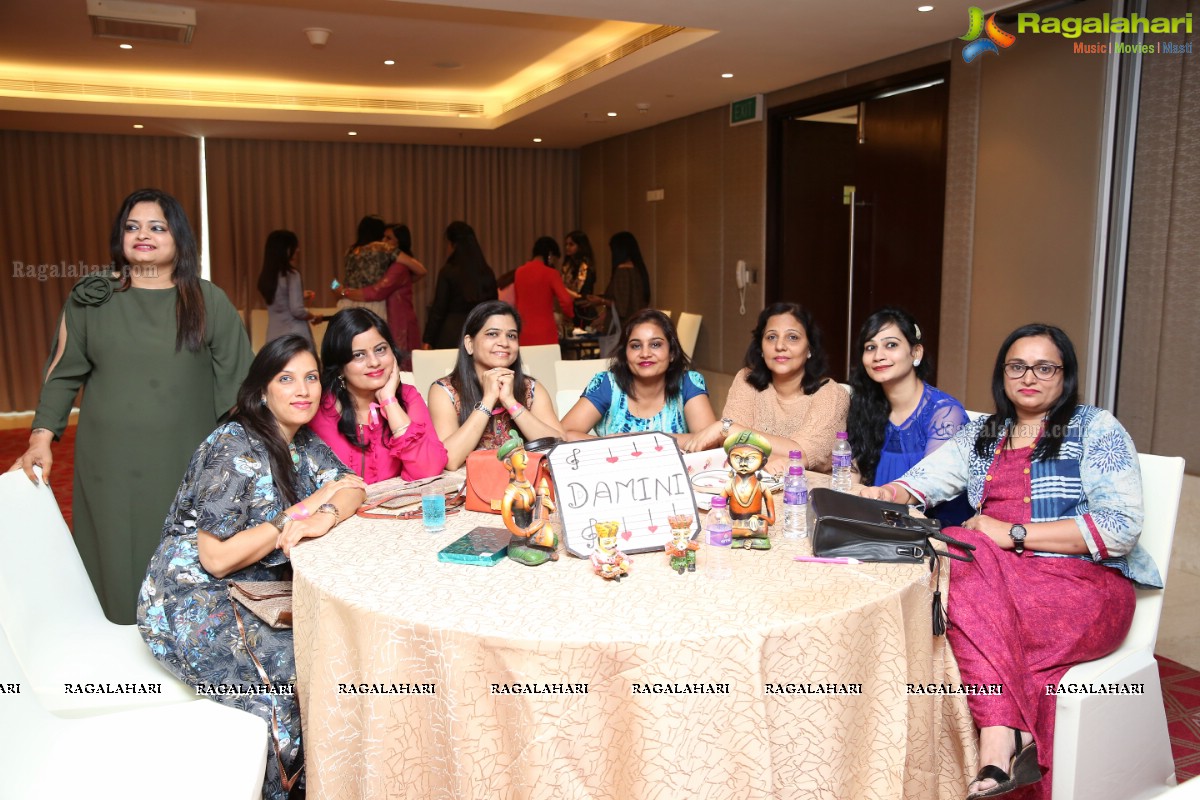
(637, 480)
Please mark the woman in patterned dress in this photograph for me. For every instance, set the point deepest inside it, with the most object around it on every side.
(1058, 495)
(649, 387)
(488, 393)
(256, 487)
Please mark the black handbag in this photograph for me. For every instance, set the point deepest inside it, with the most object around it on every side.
(848, 526)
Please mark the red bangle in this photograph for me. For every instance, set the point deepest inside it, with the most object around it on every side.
(301, 511)
(388, 402)
(892, 486)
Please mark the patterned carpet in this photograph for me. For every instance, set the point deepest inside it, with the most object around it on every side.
(1181, 685)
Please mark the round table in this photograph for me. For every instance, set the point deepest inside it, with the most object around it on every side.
(425, 679)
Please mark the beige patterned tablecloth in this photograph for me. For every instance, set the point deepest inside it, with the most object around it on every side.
(799, 673)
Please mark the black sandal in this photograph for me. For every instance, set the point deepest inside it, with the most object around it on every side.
(1023, 770)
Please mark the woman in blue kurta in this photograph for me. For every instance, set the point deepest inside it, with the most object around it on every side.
(257, 486)
(896, 417)
(648, 387)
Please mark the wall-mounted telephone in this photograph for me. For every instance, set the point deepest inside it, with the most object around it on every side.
(742, 274)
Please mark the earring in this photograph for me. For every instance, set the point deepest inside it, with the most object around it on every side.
(262, 401)
(916, 362)
(341, 383)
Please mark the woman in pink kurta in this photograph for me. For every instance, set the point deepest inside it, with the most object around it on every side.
(396, 288)
(377, 426)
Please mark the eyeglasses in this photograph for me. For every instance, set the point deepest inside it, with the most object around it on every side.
(1044, 372)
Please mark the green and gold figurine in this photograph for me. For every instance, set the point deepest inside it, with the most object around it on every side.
(526, 513)
(750, 504)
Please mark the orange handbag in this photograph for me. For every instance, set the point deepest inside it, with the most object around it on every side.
(487, 477)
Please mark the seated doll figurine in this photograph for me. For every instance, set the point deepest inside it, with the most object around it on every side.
(607, 561)
(526, 513)
(750, 504)
(681, 550)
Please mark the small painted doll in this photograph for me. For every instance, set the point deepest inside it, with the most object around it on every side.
(607, 561)
(681, 550)
(750, 504)
(526, 513)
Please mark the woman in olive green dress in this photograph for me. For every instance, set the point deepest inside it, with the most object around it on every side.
(160, 354)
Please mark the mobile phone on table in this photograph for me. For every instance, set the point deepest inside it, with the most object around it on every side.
(484, 547)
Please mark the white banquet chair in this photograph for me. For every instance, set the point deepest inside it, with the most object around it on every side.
(1117, 745)
(54, 621)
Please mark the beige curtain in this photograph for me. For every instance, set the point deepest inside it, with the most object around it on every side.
(57, 202)
(320, 190)
(1160, 363)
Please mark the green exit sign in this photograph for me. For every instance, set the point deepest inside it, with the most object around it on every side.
(748, 110)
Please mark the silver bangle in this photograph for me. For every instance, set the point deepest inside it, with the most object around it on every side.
(280, 520)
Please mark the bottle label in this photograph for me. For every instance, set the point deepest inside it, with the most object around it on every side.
(795, 497)
(720, 537)
(842, 460)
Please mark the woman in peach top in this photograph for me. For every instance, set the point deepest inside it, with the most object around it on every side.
(782, 392)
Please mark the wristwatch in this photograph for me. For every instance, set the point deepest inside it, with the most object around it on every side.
(1017, 534)
(726, 424)
(330, 508)
(487, 412)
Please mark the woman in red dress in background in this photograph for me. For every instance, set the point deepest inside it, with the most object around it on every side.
(538, 284)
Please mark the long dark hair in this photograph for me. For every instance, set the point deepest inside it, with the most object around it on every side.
(277, 260)
(370, 229)
(869, 406)
(678, 363)
(403, 237)
(624, 247)
(466, 265)
(583, 252)
(463, 379)
(337, 348)
(544, 248)
(814, 368)
(254, 415)
(1060, 413)
(189, 302)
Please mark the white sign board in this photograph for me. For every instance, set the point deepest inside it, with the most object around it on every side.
(637, 480)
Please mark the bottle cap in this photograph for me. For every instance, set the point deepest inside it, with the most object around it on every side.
(719, 502)
(795, 455)
(796, 470)
(842, 435)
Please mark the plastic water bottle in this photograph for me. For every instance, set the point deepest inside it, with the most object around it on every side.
(718, 531)
(842, 458)
(795, 504)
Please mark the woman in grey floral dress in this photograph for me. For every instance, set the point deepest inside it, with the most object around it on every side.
(258, 485)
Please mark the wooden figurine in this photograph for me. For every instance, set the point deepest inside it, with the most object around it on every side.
(681, 550)
(750, 504)
(526, 513)
(607, 560)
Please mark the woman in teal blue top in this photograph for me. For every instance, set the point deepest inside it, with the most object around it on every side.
(648, 387)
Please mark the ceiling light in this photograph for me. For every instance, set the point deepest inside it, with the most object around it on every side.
(923, 9)
(317, 37)
(352, 133)
(612, 113)
(156, 22)
(726, 74)
(139, 127)
(126, 46)
(388, 63)
(538, 140)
